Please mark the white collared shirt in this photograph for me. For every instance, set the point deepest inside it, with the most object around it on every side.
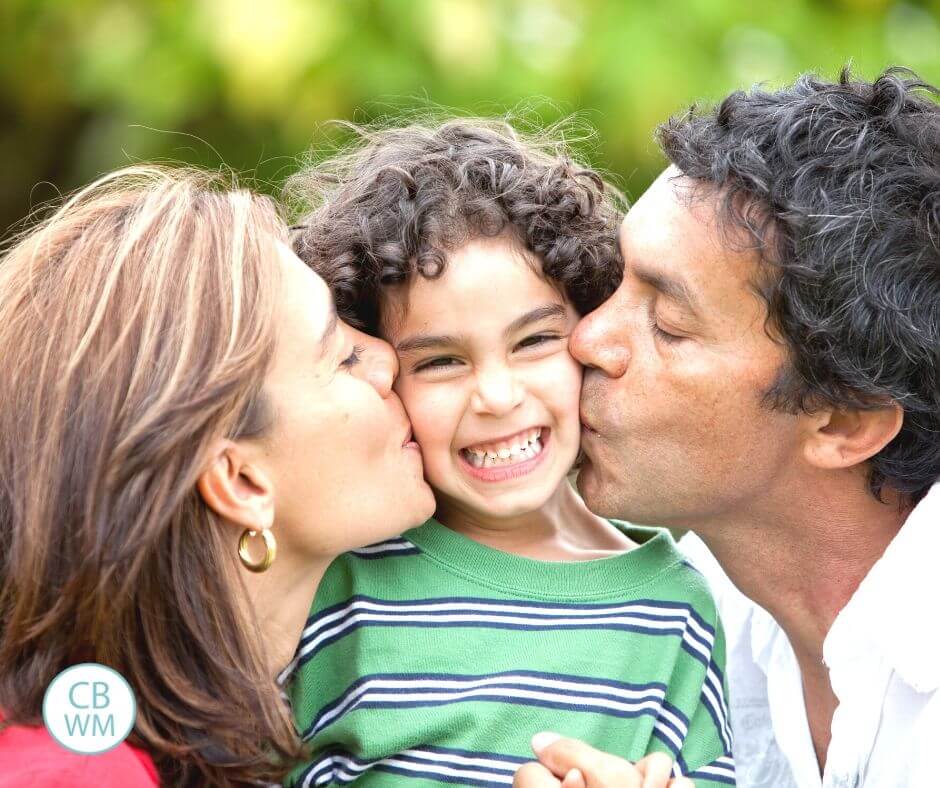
(883, 655)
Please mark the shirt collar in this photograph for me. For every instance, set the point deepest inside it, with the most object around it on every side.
(892, 613)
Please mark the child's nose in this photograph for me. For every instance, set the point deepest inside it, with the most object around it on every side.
(497, 392)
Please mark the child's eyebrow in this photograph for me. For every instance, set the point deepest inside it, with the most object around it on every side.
(430, 341)
(534, 316)
(426, 342)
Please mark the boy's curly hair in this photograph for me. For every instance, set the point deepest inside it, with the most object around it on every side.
(399, 199)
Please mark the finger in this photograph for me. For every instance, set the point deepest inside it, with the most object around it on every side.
(574, 779)
(534, 775)
(599, 769)
(656, 769)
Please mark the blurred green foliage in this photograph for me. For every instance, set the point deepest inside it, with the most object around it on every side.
(89, 85)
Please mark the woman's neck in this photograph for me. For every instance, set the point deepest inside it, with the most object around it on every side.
(281, 598)
(562, 529)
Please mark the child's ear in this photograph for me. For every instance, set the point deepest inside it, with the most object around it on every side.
(237, 491)
(842, 438)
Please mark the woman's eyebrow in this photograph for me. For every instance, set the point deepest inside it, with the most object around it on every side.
(332, 323)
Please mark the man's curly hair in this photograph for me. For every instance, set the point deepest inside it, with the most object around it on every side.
(396, 202)
(838, 184)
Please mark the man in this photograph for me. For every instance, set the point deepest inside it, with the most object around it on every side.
(768, 375)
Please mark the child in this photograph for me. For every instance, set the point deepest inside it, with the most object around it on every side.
(438, 655)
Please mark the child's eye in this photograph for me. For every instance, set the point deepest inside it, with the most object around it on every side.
(441, 362)
(537, 339)
(353, 358)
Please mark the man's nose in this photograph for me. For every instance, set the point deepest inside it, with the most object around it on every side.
(597, 343)
(379, 363)
(497, 392)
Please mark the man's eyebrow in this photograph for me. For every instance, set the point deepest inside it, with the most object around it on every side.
(674, 289)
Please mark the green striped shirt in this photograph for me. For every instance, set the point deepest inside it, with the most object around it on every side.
(434, 659)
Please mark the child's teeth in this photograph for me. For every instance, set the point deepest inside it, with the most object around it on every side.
(525, 448)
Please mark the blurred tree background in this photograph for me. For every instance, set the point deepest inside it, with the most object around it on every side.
(89, 85)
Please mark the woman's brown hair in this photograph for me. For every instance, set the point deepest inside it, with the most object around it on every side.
(136, 328)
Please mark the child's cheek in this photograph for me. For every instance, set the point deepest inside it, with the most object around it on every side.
(559, 383)
(435, 415)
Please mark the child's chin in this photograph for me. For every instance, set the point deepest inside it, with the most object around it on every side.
(513, 504)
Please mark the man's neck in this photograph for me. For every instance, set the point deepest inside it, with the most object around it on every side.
(802, 557)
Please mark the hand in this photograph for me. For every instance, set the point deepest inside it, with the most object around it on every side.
(568, 763)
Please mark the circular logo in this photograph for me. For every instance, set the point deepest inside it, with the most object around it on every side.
(89, 708)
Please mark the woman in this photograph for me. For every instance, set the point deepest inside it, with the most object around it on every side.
(188, 436)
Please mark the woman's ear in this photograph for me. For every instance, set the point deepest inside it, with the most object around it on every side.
(844, 438)
(237, 491)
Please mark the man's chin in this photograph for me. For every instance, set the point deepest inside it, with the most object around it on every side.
(591, 489)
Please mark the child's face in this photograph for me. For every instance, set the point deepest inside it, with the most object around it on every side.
(487, 379)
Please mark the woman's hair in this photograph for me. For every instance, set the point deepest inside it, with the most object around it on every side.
(136, 328)
(396, 201)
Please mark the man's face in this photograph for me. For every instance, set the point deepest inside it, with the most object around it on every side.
(674, 429)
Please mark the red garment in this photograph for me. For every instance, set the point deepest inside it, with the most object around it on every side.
(31, 758)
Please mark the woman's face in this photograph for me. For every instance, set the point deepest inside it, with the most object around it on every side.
(345, 469)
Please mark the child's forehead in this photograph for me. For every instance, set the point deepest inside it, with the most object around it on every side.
(480, 275)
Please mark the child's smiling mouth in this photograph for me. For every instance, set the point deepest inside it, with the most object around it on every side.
(506, 458)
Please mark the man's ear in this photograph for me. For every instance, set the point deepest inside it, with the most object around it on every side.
(236, 490)
(844, 438)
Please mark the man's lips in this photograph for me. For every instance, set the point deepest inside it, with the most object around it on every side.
(586, 424)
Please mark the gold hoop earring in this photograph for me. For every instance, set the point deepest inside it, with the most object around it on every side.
(270, 550)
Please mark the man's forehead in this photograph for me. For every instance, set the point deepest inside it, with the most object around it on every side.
(674, 207)
(659, 234)
(671, 240)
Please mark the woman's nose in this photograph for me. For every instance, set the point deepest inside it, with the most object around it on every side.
(379, 363)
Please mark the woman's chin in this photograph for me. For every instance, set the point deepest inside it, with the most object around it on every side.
(428, 507)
